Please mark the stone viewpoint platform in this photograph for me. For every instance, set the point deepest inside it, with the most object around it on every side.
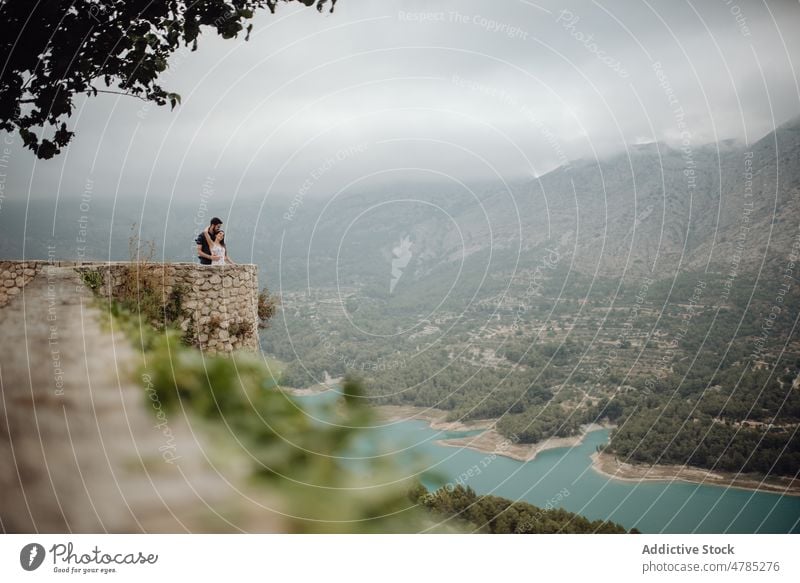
(81, 449)
(217, 305)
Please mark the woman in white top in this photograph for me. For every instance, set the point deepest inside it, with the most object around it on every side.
(218, 250)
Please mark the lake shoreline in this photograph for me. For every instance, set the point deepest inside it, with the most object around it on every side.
(436, 418)
(491, 442)
(309, 391)
(494, 443)
(609, 466)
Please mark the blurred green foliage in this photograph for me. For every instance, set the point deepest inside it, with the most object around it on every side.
(301, 456)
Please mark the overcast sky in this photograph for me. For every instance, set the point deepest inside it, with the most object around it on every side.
(314, 103)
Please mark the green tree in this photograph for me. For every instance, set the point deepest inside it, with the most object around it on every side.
(58, 49)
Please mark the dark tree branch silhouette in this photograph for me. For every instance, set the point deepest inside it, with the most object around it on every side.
(54, 50)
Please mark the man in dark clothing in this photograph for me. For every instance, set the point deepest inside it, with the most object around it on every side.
(203, 252)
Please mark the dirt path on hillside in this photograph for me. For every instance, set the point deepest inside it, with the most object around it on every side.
(82, 449)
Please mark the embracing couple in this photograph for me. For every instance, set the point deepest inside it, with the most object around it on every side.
(211, 249)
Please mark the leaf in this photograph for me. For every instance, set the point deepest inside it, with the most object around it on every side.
(174, 99)
(46, 150)
(29, 139)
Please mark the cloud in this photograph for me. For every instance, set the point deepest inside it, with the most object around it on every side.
(469, 89)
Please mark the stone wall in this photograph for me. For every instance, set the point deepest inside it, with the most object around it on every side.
(13, 277)
(217, 306)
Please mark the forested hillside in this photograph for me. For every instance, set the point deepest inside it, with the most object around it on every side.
(654, 289)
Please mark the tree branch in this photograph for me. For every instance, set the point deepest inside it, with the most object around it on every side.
(117, 93)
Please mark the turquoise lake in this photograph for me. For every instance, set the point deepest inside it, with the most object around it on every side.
(564, 478)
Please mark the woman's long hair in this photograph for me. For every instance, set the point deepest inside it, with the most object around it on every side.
(222, 242)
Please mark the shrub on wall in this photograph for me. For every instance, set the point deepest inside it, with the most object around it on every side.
(240, 329)
(92, 279)
(267, 306)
